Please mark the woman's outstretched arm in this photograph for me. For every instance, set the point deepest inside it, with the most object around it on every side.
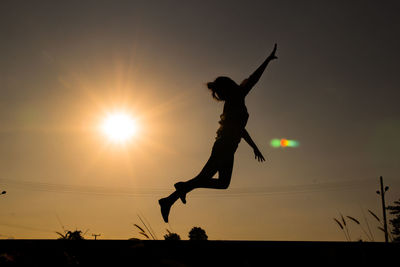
(257, 152)
(248, 83)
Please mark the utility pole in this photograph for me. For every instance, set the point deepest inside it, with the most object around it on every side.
(95, 236)
(382, 194)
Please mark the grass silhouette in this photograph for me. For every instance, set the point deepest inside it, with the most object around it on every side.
(344, 226)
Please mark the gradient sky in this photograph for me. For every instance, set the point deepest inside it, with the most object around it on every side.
(334, 88)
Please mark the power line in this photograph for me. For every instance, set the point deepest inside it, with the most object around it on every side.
(25, 227)
(150, 192)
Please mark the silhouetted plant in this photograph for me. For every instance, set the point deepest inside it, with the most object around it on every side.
(345, 227)
(370, 238)
(374, 215)
(395, 222)
(143, 232)
(171, 236)
(381, 225)
(149, 234)
(69, 235)
(197, 233)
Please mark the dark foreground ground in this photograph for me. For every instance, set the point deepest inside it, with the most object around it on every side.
(193, 253)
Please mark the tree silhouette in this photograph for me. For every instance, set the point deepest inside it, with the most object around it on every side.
(197, 234)
(395, 222)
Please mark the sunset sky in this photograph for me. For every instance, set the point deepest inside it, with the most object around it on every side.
(66, 65)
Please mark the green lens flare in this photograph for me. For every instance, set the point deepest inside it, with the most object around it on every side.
(293, 143)
(275, 143)
(283, 142)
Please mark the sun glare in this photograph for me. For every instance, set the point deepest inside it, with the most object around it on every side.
(119, 127)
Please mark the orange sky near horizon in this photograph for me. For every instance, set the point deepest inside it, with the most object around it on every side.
(65, 67)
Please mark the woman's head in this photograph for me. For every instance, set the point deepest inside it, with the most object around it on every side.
(222, 88)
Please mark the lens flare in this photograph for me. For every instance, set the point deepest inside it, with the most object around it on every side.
(283, 142)
(275, 143)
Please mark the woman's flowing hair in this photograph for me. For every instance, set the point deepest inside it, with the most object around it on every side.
(221, 87)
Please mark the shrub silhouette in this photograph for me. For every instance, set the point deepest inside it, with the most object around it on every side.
(171, 236)
(197, 233)
(69, 235)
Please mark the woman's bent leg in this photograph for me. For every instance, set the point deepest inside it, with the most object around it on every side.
(205, 178)
(220, 161)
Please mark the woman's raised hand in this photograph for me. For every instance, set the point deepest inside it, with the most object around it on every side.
(272, 55)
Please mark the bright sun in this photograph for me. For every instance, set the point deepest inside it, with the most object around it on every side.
(119, 127)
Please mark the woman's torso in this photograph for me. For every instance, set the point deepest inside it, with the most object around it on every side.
(233, 120)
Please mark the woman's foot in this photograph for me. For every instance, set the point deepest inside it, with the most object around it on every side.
(180, 188)
(165, 208)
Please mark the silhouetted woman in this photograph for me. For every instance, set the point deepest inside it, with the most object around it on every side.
(232, 130)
